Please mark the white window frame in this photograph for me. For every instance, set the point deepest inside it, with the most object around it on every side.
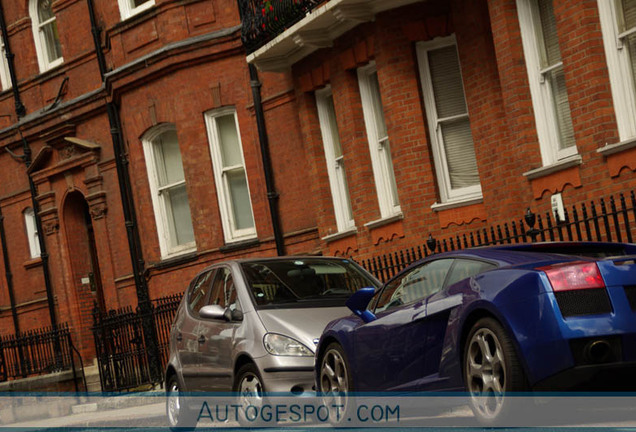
(335, 166)
(32, 233)
(40, 40)
(540, 91)
(383, 171)
(167, 245)
(5, 79)
(447, 194)
(230, 232)
(127, 9)
(622, 79)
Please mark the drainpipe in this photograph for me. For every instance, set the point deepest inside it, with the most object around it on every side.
(44, 256)
(8, 275)
(272, 195)
(20, 110)
(130, 218)
(26, 158)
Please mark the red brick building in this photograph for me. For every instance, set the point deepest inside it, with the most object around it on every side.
(387, 120)
(451, 116)
(177, 76)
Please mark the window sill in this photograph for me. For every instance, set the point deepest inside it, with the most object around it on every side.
(455, 204)
(561, 165)
(339, 235)
(239, 245)
(384, 221)
(33, 262)
(611, 149)
(175, 261)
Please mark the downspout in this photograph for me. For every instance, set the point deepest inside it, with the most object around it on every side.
(272, 195)
(8, 275)
(26, 158)
(130, 218)
(44, 256)
(20, 110)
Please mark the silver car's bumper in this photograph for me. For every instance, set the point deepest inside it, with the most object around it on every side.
(286, 374)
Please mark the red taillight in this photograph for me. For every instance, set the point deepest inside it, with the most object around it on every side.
(574, 276)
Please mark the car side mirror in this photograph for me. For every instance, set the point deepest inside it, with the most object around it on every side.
(213, 312)
(236, 315)
(358, 303)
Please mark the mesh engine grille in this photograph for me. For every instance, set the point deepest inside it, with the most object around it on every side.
(583, 302)
(630, 291)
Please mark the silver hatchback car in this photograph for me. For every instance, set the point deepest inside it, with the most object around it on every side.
(251, 325)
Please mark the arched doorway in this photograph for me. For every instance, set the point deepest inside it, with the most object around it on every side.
(83, 256)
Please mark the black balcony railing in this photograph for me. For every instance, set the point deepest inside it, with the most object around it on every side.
(263, 20)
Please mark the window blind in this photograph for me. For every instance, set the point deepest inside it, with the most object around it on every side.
(450, 103)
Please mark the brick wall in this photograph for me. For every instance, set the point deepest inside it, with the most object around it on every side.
(501, 116)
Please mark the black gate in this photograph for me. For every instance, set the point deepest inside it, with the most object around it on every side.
(122, 354)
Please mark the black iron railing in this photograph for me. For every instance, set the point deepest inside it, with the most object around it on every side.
(608, 219)
(122, 354)
(263, 20)
(39, 352)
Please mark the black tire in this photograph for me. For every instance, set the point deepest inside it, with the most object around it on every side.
(335, 383)
(181, 417)
(492, 374)
(250, 390)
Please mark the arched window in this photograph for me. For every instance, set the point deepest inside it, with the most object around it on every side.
(168, 188)
(32, 232)
(47, 39)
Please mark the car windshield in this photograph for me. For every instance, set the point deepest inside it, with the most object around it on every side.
(307, 282)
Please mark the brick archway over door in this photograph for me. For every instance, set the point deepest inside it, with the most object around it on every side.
(86, 276)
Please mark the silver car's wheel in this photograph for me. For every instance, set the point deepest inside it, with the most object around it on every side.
(178, 414)
(491, 369)
(250, 389)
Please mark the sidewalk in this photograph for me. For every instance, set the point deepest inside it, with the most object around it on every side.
(153, 415)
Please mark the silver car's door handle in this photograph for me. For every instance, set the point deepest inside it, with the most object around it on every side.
(179, 337)
(201, 339)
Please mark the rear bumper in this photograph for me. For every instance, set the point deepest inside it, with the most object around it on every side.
(609, 377)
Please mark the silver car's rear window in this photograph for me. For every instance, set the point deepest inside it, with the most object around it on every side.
(307, 282)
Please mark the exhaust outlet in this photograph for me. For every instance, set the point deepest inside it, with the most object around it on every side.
(598, 351)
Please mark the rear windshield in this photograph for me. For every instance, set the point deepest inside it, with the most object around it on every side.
(310, 282)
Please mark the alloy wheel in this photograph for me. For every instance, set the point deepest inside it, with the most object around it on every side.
(335, 382)
(173, 404)
(250, 390)
(486, 372)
